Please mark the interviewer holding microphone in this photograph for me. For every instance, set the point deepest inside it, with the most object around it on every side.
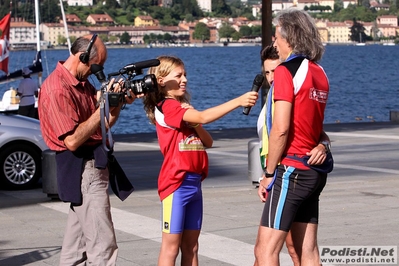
(182, 140)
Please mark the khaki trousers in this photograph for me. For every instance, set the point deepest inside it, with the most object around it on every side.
(89, 236)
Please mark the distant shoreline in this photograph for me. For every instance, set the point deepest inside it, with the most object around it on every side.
(199, 45)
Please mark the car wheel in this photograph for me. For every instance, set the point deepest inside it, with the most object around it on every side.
(21, 166)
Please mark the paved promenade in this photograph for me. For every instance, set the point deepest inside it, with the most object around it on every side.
(359, 205)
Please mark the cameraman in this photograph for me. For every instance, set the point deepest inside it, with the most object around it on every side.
(70, 123)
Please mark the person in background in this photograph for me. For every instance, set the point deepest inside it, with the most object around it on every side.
(182, 140)
(27, 91)
(296, 129)
(71, 126)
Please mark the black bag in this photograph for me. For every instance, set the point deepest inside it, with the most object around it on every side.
(118, 180)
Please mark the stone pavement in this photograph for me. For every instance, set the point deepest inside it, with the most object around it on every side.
(358, 207)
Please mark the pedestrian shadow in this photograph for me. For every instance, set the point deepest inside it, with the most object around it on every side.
(29, 257)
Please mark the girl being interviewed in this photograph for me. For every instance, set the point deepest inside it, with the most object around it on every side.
(182, 141)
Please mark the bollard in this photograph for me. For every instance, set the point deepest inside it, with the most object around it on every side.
(394, 116)
(254, 167)
(49, 174)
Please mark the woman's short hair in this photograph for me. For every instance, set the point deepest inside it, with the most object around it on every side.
(300, 31)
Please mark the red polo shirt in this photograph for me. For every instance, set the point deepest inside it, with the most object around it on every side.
(64, 103)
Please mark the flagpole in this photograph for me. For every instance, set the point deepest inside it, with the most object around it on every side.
(37, 25)
(65, 26)
(39, 75)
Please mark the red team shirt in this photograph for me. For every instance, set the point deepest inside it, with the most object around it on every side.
(308, 93)
(182, 149)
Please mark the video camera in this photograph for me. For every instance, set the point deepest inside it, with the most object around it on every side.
(138, 86)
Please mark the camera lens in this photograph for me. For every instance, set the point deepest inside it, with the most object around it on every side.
(144, 85)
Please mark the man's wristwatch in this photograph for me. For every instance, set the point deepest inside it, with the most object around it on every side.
(327, 145)
(268, 175)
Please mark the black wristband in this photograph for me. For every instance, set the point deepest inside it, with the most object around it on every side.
(268, 175)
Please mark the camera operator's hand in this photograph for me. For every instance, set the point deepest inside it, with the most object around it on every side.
(115, 86)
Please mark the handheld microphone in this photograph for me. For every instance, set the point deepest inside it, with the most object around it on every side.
(255, 87)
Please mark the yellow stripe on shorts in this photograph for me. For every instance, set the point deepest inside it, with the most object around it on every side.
(167, 213)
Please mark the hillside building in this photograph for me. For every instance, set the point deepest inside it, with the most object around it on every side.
(100, 19)
(22, 34)
(80, 2)
(205, 5)
(143, 21)
(71, 19)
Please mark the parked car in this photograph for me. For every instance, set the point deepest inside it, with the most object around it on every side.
(21, 147)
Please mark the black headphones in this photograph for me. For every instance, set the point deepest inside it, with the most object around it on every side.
(85, 57)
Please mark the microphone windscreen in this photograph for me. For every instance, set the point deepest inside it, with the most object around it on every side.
(142, 64)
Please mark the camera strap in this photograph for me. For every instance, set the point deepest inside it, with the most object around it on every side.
(104, 116)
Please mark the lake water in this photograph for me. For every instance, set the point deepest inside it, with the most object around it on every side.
(364, 81)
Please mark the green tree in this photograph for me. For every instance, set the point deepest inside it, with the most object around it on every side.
(338, 5)
(168, 21)
(366, 3)
(124, 4)
(236, 36)
(201, 32)
(50, 11)
(220, 8)
(72, 38)
(359, 12)
(189, 18)
(146, 38)
(319, 8)
(61, 39)
(357, 32)
(130, 17)
(245, 30)
(113, 39)
(226, 31)
(104, 37)
(125, 38)
(111, 4)
(183, 7)
(239, 9)
(257, 31)
(167, 37)
(159, 37)
(166, 16)
(143, 4)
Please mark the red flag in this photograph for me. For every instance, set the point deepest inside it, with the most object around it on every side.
(5, 42)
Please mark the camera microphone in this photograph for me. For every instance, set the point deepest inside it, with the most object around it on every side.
(140, 65)
(255, 87)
